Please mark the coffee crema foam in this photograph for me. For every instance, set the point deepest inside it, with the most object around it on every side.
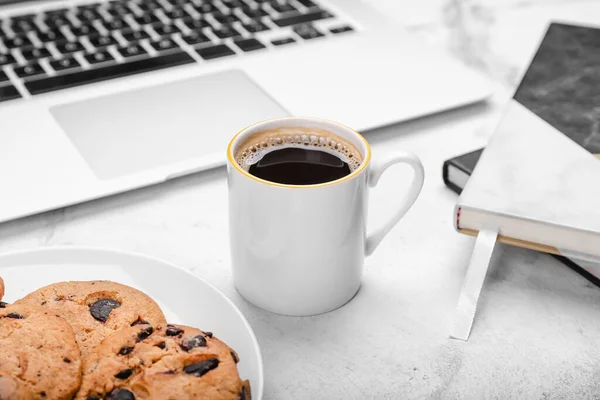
(253, 149)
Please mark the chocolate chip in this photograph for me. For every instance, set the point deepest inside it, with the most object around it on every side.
(235, 357)
(209, 334)
(139, 321)
(67, 360)
(101, 309)
(196, 341)
(43, 303)
(43, 395)
(172, 330)
(202, 368)
(126, 373)
(243, 393)
(125, 350)
(3, 304)
(14, 315)
(120, 394)
(161, 345)
(169, 372)
(144, 333)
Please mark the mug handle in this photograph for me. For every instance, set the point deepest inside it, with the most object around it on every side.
(377, 169)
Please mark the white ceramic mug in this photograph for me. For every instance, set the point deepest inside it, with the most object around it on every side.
(299, 250)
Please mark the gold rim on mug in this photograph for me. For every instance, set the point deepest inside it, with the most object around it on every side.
(367, 157)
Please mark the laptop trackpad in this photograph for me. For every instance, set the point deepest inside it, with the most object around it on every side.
(130, 132)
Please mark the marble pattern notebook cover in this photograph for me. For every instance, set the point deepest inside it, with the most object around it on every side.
(456, 173)
(533, 181)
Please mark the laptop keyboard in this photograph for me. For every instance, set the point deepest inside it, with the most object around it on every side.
(68, 47)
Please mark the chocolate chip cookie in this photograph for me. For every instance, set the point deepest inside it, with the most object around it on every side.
(96, 309)
(39, 357)
(172, 363)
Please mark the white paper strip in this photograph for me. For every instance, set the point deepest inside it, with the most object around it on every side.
(469, 295)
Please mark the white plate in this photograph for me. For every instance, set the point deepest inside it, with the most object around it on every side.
(185, 298)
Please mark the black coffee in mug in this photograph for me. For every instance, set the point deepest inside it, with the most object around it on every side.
(298, 156)
(297, 166)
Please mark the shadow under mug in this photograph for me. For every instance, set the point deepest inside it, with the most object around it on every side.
(299, 250)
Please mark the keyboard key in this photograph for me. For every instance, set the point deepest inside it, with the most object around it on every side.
(53, 35)
(149, 6)
(249, 44)
(232, 4)
(226, 32)
(302, 18)
(65, 63)
(255, 27)
(85, 30)
(134, 36)
(280, 42)
(132, 51)
(103, 41)
(34, 54)
(29, 70)
(206, 8)
(178, 3)
(148, 19)
(255, 13)
(118, 10)
(107, 72)
(212, 52)
(69, 47)
(196, 38)
(166, 29)
(282, 7)
(307, 3)
(18, 42)
(198, 24)
(187, 18)
(164, 44)
(117, 24)
(3, 76)
(307, 32)
(99, 57)
(176, 13)
(6, 59)
(225, 19)
(54, 22)
(9, 93)
(88, 14)
(341, 29)
(22, 25)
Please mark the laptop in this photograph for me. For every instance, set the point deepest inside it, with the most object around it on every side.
(100, 97)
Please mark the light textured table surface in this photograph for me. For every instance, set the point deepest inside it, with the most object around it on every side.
(537, 331)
